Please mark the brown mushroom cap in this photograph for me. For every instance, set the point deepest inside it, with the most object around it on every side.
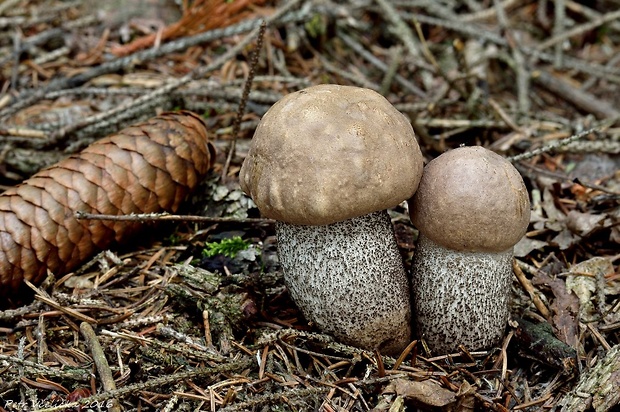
(329, 153)
(471, 199)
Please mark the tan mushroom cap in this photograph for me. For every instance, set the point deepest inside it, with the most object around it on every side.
(471, 199)
(330, 153)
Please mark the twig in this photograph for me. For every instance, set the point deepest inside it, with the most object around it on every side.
(506, 117)
(523, 76)
(123, 111)
(467, 123)
(401, 29)
(353, 76)
(254, 402)
(479, 32)
(156, 217)
(559, 15)
(372, 59)
(560, 36)
(555, 145)
(22, 132)
(17, 43)
(103, 368)
(154, 383)
(581, 99)
(529, 288)
(388, 78)
(426, 52)
(27, 98)
(244, 99)
(589, 13)
(7, 4)
(490, 12)
(67, 311)
(36, 369)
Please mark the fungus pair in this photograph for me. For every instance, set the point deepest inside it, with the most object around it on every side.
(327, 162)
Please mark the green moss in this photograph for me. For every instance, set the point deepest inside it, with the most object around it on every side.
(227, 247)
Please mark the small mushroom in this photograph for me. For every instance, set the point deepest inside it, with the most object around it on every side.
(326, 162)
(471, 208)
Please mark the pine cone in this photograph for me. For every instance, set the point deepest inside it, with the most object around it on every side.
(147, 168)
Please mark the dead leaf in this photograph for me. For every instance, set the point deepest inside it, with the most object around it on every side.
(424, 394)
(564, 239)
(593, 167)
(583, 287)
(583, 224)
(466, 398)
(565, 307)
(615, 234)
(596, 266)
(526, 245)
(555, 218)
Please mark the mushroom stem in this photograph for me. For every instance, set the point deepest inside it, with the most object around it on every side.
(348, 278)
(459, 297)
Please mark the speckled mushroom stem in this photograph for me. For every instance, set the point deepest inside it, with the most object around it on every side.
(471, 208)
(348, 278)
(460, 298)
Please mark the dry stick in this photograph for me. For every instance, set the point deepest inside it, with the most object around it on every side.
(254, 402)
(30, 42)
(506, 117)
(207, 355)
(490, 12)
(244, 100)
(23, 132)
(154, 383)
(589, 13)
(45, 298)
(561, 143)
(587, 84)
(372, 59)
(429, 56)
(395, 58)
(560, 37)
(202, 89)
(122, 110)
(559, 7)
(465, 123)
(12, 314)
(127, 111)
(355, 77)
(529, 288)
(400, 27)
(36, 369)
(151, 217)
(579, 98)
(103, 368)
(523, 76)
(479, 32)
(7, 4)
(27, 98)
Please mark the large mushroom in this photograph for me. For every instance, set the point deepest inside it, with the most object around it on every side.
(326, 162)
(471, 208)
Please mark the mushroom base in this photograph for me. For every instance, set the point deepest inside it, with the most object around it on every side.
(348, 279)
(459, 297)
